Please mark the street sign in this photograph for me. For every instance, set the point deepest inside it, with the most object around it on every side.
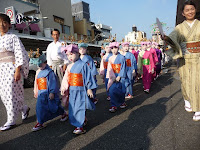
(10, 11)
(19, 18)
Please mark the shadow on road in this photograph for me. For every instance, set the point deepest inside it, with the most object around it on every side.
(135, 130)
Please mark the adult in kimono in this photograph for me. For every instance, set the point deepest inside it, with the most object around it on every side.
(151, 48)
(184, 41)
(146, 66)
(131, 66)
(14, 66)
(77, 84)
(104, 65)
(158, 65)
(90, 62)
(46, 91)
(118, 81)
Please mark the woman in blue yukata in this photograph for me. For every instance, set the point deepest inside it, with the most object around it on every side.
(46, 91)
(88, 59)
(78, 84)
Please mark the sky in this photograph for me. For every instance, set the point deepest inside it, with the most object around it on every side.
(121, 15)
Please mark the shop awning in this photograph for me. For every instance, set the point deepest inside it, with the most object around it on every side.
(21, 26)
(34, 27)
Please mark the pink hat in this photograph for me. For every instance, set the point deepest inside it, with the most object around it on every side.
(125, 43)
(114, 44)
(154, 43)
(148, 43)
(143, 43)
(70, 48)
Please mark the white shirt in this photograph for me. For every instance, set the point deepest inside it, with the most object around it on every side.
(54, 53)
(191, 24)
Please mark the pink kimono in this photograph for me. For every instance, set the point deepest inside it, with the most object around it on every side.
(155, 60)
(146, 64)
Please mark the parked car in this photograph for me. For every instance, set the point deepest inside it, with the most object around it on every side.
(97, 61)
(29, 82)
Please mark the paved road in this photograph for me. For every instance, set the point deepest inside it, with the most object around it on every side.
(155, 121)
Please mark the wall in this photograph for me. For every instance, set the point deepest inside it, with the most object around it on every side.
(60, 8)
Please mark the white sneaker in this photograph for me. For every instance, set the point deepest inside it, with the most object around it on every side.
(25, 115)
(196, 116)
(64, 117)
(7, 127)
(188, 107)
(146, 91)
(79, 130)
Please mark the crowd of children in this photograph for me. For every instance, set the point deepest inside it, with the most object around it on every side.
(119, 69)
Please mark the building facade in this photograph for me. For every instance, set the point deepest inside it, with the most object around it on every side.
(58, 15)
(81, 10)
(135, 36)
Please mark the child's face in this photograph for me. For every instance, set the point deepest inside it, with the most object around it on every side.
(131, 47)
(107, 49)
(153, 46)
(82, 50)
(115, 50)
(125, 48)
(157, 47)
(148, 45)
(73, 57)
(135, 48)
(42, 66)
(144, 47)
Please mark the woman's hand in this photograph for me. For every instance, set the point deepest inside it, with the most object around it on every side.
(17, 75)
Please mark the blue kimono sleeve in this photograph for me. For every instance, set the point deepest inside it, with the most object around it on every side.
(89, 81)
(52, 83)
(133, 63)
(93, 67)
(122, 72)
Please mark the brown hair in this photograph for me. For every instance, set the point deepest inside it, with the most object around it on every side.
(5, 17)
(190, 2)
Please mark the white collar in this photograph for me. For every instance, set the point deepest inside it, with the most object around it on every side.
(191, 24)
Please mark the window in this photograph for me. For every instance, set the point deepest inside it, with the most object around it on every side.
(88, 32)
(65, 29)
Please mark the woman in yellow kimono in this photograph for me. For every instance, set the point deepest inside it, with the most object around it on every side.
(185, 43)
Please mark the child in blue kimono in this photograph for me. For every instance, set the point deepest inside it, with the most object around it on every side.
(89, 61)
(47, 93)
(118, 81)
(131, 66)
(78, 84)
(104, 65)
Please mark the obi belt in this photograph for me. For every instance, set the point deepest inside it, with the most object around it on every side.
(42, 83)
(116, 68)
(75, 79)
(128, 62)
